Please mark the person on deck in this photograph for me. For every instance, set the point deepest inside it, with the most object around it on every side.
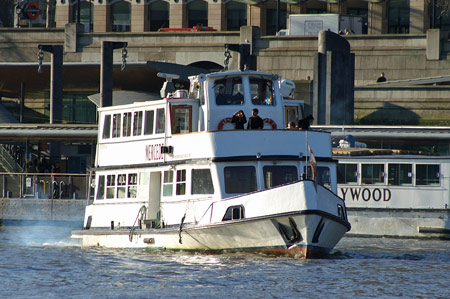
(255, 122)
(239, 120)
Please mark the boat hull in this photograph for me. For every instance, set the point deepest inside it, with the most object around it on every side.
(406, 223)
(301, 234)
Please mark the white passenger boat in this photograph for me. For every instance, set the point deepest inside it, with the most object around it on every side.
(175, 174)
(395, 193)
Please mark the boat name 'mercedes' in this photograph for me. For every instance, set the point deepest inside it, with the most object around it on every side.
(366, 194)
(153, 152)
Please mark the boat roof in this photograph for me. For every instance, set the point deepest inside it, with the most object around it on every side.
(351, 151)
(238, 73)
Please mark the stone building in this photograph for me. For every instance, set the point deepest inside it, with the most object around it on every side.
(378, 16)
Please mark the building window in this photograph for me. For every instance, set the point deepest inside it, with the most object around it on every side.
(399, 174)
(197, 13)
(441, 15)
(121, 16)
(236, 15)
(271, 20)
(360, 12)
(398, 16)
(279, 175)
(201, 182)
(427, 174)
(347, 173)
(77, 108)
(86, 15)
(240, 179)
(159, 15)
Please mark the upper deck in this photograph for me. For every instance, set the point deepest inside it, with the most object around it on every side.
(196, 124)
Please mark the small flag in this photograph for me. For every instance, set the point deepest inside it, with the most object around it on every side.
(312, 161)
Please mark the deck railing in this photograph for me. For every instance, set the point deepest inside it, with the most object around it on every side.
(44, 185)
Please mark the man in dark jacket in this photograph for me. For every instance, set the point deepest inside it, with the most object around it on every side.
(255, 122)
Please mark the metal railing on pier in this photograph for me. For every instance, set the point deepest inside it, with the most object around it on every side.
(44, 185)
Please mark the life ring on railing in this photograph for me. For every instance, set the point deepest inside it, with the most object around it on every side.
(270, 122)
(222, 122)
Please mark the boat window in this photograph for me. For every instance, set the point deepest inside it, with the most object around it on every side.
(234, 213)
(137, 123)
(121, 185)
(110, 185)
(279, 175)
(101, 187)
(240, 179)
(160, 121)
(181, 182)
(291, 115)
(126, 124)
(148, 126)
(168, 183)
(229, 91)
(427, 174)
(181, 119)
(399, 174)
(107, 127)
(132, 185)
(322, 175)
(116, 125)
(347, 173)
(261, 92)
(201, 182)
(372, 174)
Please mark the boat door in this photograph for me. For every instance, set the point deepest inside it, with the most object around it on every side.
(154, 197)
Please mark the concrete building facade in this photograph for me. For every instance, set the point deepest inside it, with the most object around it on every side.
(378, 16)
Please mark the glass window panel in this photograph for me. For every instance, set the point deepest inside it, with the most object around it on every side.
(121, 16)
(137, 123)
(372, 174)
(229, 91)
(198, 13)
(101, 187)
(399, 174)
(160, 121)
(116, 125)
(110, 186)
(159, 15)
(201, 182)
(168, 183)
(261, 92)
(279, 175)
(347, 173)
(149, 117)
(240, 179)
(236, 15)
(126, 124)
(181, 182)
(271, 20)
(323, 176)
(107, 127)
(427, 174)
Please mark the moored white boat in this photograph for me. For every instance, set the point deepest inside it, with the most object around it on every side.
(395, 193)
(174, 174)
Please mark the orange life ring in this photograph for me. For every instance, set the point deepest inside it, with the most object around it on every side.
(270, 122)
(33, 10)
(222, 122)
